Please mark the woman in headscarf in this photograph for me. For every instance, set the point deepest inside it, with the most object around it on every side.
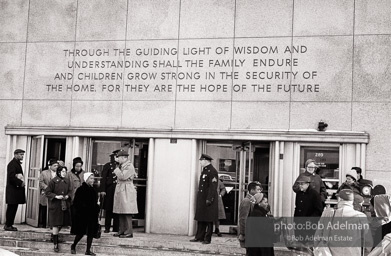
(86, 213)
(76, 174)
(58, 193)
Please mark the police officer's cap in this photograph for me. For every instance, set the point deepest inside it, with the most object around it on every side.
(206, 157)
(122, 153)
(115, 152)
(17, 151)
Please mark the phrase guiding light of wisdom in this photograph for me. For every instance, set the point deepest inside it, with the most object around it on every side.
(221, 69)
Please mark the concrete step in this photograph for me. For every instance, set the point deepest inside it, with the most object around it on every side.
(220, 245)
(31, 247)
(34, 241)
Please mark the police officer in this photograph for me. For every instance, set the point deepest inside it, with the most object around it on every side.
(107, 188)
(207, 201)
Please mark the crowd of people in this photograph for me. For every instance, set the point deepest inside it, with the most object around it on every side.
(70, 199)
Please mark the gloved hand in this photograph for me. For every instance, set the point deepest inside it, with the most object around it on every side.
(208, 203)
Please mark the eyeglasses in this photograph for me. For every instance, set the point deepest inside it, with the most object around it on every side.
(311, 167)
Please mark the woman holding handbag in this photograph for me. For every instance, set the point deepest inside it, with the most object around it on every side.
(86, 213)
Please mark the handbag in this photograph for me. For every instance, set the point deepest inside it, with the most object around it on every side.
(324, 250)
(98, 231)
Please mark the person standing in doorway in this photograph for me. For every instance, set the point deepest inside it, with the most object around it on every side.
(15, 189)
(307, 204)
(75, 176)
(107, 188)
(245, 208)
(316, 181)
(207, 202)
(125, 197)
(44, 180)
(221, 192)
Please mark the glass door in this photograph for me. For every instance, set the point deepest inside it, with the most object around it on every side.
(234, 163)
(36, 156)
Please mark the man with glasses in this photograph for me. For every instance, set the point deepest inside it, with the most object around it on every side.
(316, 181)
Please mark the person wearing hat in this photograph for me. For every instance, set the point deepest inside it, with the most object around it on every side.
(316, 181)
(207, 201)
(307, 204)
(75, 176)
(15, 189)
(262, 209)
(358, 238)
(85, 221)
(44, 179)
(351, 183)
(125, 195)
(59, 193)
(107, 189)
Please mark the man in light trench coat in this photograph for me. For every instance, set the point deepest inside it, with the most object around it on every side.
(125, 196)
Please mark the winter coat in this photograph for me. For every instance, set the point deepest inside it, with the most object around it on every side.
(86, 211)
(44, 178)
(207, 190)
(15, 192)
(125, 197)
(267, 240)
(76, 181)
(308, 204)
(221, 192)
(316, 183)
(360, 237)
(57, 215)
(107, 184)
(356, 192)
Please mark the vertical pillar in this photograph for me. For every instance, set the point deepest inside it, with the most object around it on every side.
(150, 170)
(193, 187)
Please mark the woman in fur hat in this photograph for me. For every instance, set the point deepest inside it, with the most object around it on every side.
(58, 193)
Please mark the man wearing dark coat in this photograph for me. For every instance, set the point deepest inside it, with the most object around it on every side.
(15, 190)
(307, 204)
(207, 201)
(107, 188)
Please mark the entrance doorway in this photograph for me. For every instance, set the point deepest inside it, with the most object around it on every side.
(138, 155)
(238, 163)
(42, 149)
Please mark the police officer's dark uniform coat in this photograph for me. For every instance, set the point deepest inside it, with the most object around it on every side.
(108, 182)
(15, 193)
(207, 190)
